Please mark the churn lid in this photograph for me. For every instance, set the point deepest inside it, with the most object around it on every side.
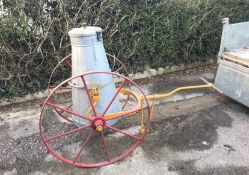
(85, 31)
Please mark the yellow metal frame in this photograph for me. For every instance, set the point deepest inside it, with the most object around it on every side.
(95, 99)
(140, 100)
(94, 93)
(158, 96)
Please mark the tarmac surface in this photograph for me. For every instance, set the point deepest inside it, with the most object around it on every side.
(194, 132)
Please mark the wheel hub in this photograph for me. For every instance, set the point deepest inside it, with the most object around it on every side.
(98, 124)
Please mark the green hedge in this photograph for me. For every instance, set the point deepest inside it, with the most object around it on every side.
(141, 33)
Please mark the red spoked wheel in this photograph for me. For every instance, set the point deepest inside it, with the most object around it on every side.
(96, 143)
(116, 66)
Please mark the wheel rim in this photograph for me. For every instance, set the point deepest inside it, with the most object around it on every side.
(103, 142)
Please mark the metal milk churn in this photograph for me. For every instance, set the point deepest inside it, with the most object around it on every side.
(88, 54)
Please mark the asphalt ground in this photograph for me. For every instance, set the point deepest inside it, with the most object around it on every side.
(193, 132)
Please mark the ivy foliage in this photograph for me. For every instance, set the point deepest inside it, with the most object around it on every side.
(141, 33)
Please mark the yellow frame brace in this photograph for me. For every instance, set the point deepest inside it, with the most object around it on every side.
(140, 100)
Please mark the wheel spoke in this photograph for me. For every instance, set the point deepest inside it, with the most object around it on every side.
(83, 146)
(121, 67)
(125, 133)
(105, 146)
(67, 110)
(68, 64)
(126, 101)
(113, 98)
(61, 112)
(66, 133)
(63, 116)
(89, 97)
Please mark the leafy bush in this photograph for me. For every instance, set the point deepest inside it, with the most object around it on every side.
(34, 34)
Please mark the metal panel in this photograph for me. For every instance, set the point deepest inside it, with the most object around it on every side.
(236, 36)
(234, 66)
(234, 83)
